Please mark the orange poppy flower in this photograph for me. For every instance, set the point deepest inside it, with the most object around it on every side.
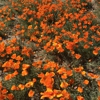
(9, 49)
(64, 76)
(15, 73)
(86, 82)
(98, 98)
(25, 51)
(64, 84)
(31, 19)
(10, 96)
(13, 40)
(22, 31)
(0, 38)
(21, 86)
(13, 56)
(24, 72)
(14, 87)
(86, 46)
(17, 26)
(2, 46)
(98, 82)
(80, 98)
(61, 70)
(30, 27)
(8, 77)
(93, 76)
(4, 91)
(83, 73)
(19, 58)
(46, 79)
(29, 84)
(79, 69)
(31, 93)
(47, 94)
(69, 72)
(25, 66)
(16, 65)
(80, 89)
(65, 94)
(77, 56)
(95, 52)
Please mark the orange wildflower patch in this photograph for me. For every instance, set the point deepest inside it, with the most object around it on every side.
(46, 79)
(52, 65)
(16, 65)
(37, 64)
(9, 49)
(48, 94)
(26, 51)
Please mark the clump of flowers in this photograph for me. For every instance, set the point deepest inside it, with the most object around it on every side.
(67, 32)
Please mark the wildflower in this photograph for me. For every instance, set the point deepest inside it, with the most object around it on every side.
(21, 86)
(10, 96)
(95, 52)
(13, 56)
(64, 84)
(4, 91)
(8, 77)
(24, 73)
(30, 27)
(86, 82)
(2, 47)
(80, 98)
(31, 93)
(64, 76)
(46, 79)
(9, 49)
(14, 87)
(48, 94)
(65, 94)
(98, 82)
(80, 89)
(29, 84)
(77, 56)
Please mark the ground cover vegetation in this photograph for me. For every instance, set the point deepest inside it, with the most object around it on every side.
(54, 53)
